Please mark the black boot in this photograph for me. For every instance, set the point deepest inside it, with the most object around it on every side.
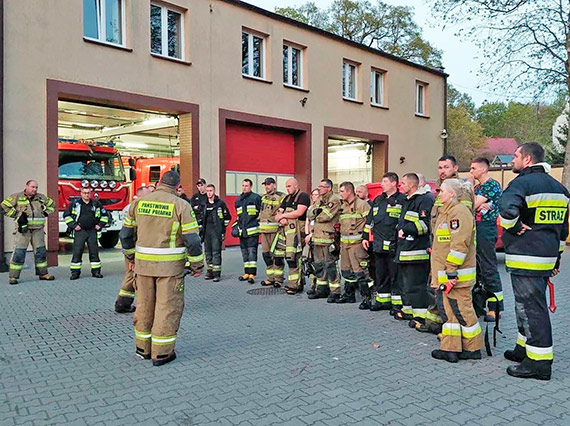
(96, 273)
(365, 303)
(333, 298)
(528, 369)
(349, 295)
(122, 309)
(470, 355)
(376, 306)
(445, 355)
(518, 354)
(13, 281)
(321, 292)
(266, 283)
(164, 359)
(209, 275)
(75, 275)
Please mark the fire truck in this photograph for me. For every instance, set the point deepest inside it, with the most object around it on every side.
(150, 170)
(97, 165)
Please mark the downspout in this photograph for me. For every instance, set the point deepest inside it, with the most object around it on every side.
(445, 114)
(3, 265)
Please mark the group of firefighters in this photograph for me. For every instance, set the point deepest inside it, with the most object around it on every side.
(409, 251)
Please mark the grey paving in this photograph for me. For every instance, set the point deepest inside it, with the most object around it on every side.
(67, 358)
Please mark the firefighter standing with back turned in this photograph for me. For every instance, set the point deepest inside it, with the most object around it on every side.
(29, 209)
(268, 227)
(159, 234)
(85, 218)
(534, 213)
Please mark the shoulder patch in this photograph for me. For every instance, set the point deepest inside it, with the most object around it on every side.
(423, 213)
(330, 204)
(454, 223)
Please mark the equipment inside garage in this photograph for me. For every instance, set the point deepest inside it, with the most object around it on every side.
(114, 151)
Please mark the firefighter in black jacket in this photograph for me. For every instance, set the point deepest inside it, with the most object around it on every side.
(85, 218)
(381, 223)
(412, 251)
(534, 213)
(216, 217)
(246, 227)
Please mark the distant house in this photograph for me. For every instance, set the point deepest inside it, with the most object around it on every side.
(498, 146)
(502, 160)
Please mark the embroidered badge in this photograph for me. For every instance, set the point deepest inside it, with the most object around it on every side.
(454, 223)
(329, 205)
(292, 225)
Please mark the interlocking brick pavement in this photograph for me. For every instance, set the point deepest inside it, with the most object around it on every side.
(67, 358)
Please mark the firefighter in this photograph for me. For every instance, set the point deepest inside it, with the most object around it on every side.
(246, 227)
(453, 273)
(362, 193)
(325, 216)
(268, 227)
(412, 251)
(85, 218)
(308, 250)
(292, 215)
(158, 235)
(29, 210)
(126, 296)
(534, 214)
(487, 201)
(381, 224)
(198, 199)
(216, 218)
(353, 256)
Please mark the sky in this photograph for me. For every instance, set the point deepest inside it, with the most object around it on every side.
(459, 56)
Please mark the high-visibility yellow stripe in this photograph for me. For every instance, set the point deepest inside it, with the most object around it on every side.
(471, 332)
(530, 263)
(539, 354)
(142, 335)
(125, 293)
(196, 259)
(174, 234)
(451, 329)
(160, 257)
(189, 226)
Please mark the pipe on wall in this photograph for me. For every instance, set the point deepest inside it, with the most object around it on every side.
(3, 265)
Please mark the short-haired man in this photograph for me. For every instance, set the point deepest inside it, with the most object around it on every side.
(362, 193)
(29, 210)
(487, 202)
(381, 224)
(325, 217)
(412, 251)
(353, 257)
(291, 236)
(246, 227)
(534, 213)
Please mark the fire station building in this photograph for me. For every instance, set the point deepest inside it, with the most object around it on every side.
(228, 89)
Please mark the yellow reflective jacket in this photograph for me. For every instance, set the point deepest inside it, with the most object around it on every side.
(269, 206)
(37, 208)
(453, 249)
(352, 220)
(325, 216)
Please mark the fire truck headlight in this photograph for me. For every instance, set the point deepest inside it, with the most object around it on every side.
(104, 184)
(94, 184)
(85, 183)
(112, 184)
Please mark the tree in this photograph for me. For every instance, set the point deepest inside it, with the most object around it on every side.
(455, 98)
(526, 44)
(382, 26)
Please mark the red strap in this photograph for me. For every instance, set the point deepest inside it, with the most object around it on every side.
(552, 306)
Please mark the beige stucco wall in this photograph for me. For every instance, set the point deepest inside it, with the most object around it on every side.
(44, 40)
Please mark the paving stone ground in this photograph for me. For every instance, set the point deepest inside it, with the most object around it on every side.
(67, 358)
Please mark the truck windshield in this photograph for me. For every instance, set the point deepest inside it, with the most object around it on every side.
(90, 165)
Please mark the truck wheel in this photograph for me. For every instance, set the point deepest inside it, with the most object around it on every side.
(109, 239)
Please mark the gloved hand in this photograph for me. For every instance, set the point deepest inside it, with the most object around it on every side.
(317, 211)
(235, 232)
(23, 223)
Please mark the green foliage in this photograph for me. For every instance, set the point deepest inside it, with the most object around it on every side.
(382, 26)
(465, 135)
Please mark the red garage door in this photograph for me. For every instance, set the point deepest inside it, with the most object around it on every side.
(255, 153)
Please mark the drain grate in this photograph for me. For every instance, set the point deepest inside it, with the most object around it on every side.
(266, 291)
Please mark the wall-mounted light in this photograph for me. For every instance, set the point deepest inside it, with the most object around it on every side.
(443, 134)
(402, 159)
(303, 101)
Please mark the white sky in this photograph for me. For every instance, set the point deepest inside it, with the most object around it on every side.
(459, 56)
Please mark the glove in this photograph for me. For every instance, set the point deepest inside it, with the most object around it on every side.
(23, 223)
(235, 232)
(317, 212)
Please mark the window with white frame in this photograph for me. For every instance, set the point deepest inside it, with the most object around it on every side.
(377, 87)
(349, 80)
(420, 98)
(104, 20)
(292, 66)
(252, 55)
(166, 27)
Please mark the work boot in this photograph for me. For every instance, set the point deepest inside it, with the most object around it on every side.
(321, 292)
(13, 281)
(365, 304)
(47, 277)
(518, 354)
(121, 309)
(445, 355)
(209, 275)
(251, 279)
(164, 359)
(349, 294)
(74, 275)
(470, 355)
(333, 298)
(276, 284)
(310, 291)
(244, 277)
(530, 370)
(376, 306)
(266, 283)
(96, 274)
(141, 354)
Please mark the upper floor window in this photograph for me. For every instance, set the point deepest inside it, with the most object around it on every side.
(252, 55)
(292, 66)
(166, 26)
(377, 87)
(104, 20)
(349, 80)
(421, 94)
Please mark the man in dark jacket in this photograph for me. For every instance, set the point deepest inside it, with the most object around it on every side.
(534, 214)
(216, 217)
(85, 218)
(246, 227)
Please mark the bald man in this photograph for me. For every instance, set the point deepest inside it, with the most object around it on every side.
(362, 193)
(291, 237)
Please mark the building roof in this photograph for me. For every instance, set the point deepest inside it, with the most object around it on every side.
(496, 146)
(333, 36)
(503, 159)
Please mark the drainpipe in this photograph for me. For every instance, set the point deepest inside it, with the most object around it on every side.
(445, 114)
(3, 265)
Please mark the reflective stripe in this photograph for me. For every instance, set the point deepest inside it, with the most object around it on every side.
(471, 332)
(41, 265)
(451, 329)
(95, 264)
(531, 263)
(499, 297)
(323, 240)
(269, 272)
(293, 277)
(163, 340)
(351, 216)
(252, 231)
(160, 250)
(414, 255)
(322, 282)
(562, 246)
(383, 297)
(278, 272)
(334, 285)
(129, 251)
(142, 335)
(239, 210)
(465, 274)
(174, 233)
(160, 257)
(410, 215)
(189, 226)
(74, 266)
(129, 222)
(430, 316)
(521, 340)
(68, 219)
(546, 200)
(268, 226)
(125, 293)
(396, 300)
(456, 257)
(350, 239)
(407, 310)
(216, 268)
(367, 227)
(16, 267)
(196, 259)
(251, 264)
(327, 212)
(348, 280)
(420, 313)
(539, 354)
(508, 223)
